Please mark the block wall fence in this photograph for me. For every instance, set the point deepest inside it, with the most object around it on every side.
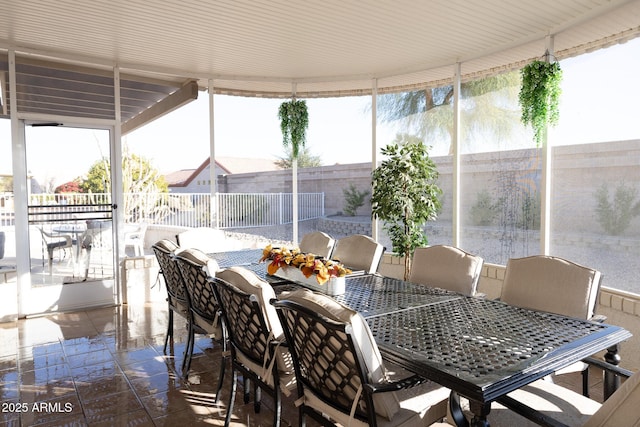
(578, 171)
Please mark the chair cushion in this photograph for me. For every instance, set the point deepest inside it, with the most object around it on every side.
(198, 257)
(621, 409)
(249, 282)
(530, 282)
(359, 252)
(206, 239)
(386, 404)
(446, 267)
(167, 246)
(317, 243)
(551, 399)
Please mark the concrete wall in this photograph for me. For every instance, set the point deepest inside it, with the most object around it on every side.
(578, 171)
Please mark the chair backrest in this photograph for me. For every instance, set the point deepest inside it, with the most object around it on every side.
(251, 321)
(621, 408)
(197, 269)
(165, 250)
(359, 252)
(334, 354)
(551, 284)
(317, 243)
(446, 267)
(206, 239)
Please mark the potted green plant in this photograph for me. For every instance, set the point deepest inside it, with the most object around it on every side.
(294, 120)
(406, 195)
(540, 96)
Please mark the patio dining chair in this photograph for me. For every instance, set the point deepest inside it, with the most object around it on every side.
(317, 243)
(53, 242)
(446, 267)
(555, 285)
(359, 252)
(197, 269)
(546, 403)
(134, 238)
(177, 298)
(341, 377)
(255, 337)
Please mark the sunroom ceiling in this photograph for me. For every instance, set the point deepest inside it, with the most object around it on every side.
(322, 48)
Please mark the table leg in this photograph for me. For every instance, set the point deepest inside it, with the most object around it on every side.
(479, 410)
(611, 380)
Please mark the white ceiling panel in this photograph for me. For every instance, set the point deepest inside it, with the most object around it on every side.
(261, 47)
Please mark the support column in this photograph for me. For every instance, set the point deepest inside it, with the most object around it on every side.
(545, 183)
(455, 144)
(374, 145)
(213, 177)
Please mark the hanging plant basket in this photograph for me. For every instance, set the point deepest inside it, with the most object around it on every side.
(540, 95)
(294, 120)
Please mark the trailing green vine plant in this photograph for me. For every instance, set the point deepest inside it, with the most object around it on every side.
(540, 95)
(294, 120)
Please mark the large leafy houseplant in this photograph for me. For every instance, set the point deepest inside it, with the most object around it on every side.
(540, 96)
(406, 195)
(294, 120)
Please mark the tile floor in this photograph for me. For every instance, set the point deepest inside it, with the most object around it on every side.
(106, 367)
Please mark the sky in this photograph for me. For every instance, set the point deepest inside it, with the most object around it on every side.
(598, 103)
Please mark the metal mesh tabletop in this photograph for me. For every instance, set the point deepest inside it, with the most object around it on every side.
(478, 346)
(371, 295)
(243, 257)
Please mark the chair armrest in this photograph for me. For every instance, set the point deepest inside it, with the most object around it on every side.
(599, 318)
(396, 385)
(608, 367)
(279, 343)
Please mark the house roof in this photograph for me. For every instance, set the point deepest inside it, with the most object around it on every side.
(328, 48)
(226, 165)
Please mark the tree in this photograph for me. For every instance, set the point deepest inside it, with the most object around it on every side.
(488, 105)
(305, 159)
(138, 178)
(406, 195)
(137, 173)
(6, 184)
(68, 187)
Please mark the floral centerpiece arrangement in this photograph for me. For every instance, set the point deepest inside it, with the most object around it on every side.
(308, 263)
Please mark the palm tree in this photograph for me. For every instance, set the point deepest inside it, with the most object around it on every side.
(488, 105)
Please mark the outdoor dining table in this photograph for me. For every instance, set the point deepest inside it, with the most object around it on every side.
(479, 348)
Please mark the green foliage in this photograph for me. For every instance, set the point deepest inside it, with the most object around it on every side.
(405, 194)
(6, 184)
(353, 199)
(138, 175)
(540, 96)
(305, 159)
(294, 120)
(615, 217)
(485, 211)
(138, 178)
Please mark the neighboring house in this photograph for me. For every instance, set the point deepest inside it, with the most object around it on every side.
(199, 180)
